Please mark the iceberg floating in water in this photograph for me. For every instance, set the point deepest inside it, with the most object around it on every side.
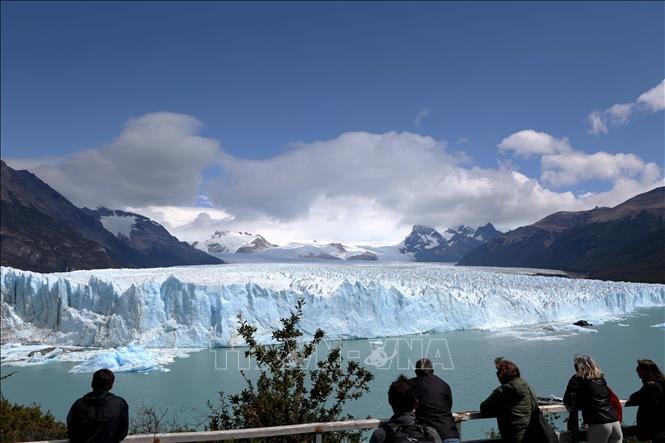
(127, 359)
(197, 306)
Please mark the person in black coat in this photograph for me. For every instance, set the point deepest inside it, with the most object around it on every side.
(435, 402)
(98, 416)
(650, 400)
(587, 391)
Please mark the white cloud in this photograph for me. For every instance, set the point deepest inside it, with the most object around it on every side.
(650, 101)
(358, 188)
(562, 165)
(156, 160)
(422, 115)
(572, 168)
(654, 98)
(528, 142)
(596, 123)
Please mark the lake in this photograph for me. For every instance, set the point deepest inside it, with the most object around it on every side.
(544, 356)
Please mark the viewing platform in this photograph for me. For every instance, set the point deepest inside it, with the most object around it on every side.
(318, 430)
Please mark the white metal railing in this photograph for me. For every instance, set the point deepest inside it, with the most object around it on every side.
(317, 429)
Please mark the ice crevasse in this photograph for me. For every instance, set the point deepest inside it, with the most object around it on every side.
(198, 306)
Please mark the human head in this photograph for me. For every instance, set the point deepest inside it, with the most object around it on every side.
(401, 396)
(586, 367)
(424, 367)
(102, 380)
(506, 370)
(647, 370)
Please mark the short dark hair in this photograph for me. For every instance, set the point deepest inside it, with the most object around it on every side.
(102, 380)
(650, 370)
(424, 367)
(401, 396)
(506, 370)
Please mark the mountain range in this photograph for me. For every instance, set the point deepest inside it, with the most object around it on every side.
(427, 244)
(228, 243)
(626, 242)
(40, 230)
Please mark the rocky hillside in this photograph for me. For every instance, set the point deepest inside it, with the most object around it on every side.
(626, 242)
(40, 230)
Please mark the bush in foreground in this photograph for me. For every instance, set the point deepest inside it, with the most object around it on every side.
(28, 423)
(286, 391)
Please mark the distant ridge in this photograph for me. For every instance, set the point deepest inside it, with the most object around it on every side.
(428, 245)
(40, 230)
(626, 242)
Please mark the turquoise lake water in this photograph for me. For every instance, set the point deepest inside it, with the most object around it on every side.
(464, 359)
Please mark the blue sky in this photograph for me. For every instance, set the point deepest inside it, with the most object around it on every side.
(267, 81)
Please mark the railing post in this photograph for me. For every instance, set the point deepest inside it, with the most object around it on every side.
(318, 438)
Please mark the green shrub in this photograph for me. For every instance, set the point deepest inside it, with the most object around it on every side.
(286, 391)
(28, 423)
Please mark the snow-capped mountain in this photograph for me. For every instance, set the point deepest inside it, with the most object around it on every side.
(313, 251)
(231, 242)
(428, 244)
(236, 245)
(43, 231)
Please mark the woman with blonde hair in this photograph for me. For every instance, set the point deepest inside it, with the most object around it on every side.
(588, 392)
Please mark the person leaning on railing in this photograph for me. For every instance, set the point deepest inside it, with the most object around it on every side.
(587, 391)
(511, 403)
(435, 401)
(650, 400)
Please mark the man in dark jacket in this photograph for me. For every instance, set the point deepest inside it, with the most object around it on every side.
(435, 402)
(98, 416)
(403, 426)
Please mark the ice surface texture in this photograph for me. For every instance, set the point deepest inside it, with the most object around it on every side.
(197, 306)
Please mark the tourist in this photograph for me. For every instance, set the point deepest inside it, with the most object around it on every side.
(650, 400)
(511, 403)
(588, 392)
(98, 416)
(435, 401)
(402, 426)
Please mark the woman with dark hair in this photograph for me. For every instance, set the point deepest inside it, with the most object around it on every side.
(511, 403)
(650, 400)
(587, 391)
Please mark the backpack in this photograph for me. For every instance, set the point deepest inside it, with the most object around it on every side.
(401, 433)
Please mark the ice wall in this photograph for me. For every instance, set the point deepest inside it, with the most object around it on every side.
(198, 306)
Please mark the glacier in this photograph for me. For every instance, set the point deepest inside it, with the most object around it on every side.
(197, 306)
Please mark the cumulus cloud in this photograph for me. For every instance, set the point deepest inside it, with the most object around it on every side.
(572, 168)
(422, 115)
(359, 187)
(158, 159)
(619, 114)
(562, 165)
(528, 142)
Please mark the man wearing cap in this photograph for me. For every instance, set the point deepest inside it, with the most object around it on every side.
(98, 416)
(435, 401)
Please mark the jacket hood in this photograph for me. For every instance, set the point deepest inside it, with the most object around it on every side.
(96, 398)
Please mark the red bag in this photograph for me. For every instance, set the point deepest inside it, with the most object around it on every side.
(616, 403)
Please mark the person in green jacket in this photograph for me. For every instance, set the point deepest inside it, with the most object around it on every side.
(511, 403)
